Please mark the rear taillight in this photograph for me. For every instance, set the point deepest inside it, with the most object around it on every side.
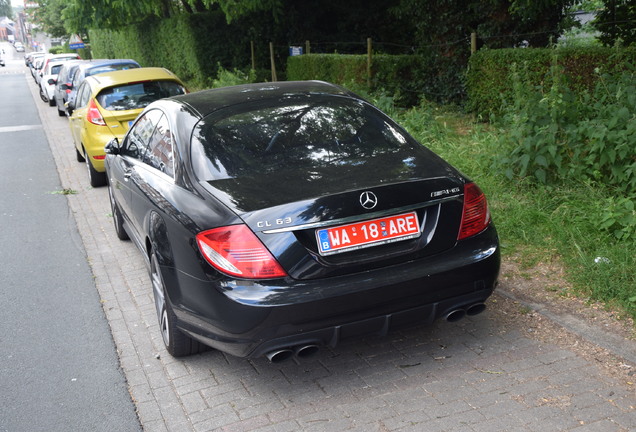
(476, 216)
(236, 251)
(93, 115)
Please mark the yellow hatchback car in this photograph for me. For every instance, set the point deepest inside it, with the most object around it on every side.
(107, 104)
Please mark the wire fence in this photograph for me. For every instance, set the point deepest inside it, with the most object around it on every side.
(359, 47)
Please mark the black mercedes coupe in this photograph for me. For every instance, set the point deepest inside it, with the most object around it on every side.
(277, 218)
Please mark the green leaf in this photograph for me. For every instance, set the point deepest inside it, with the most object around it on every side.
(541, 161)
(540, 174)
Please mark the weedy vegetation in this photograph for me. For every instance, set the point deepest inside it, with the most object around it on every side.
(560, 175)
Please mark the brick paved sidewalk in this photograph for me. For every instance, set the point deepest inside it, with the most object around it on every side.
(481, 374)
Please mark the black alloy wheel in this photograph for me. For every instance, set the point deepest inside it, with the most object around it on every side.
(176, 342)
(96, 178)
(118, 219)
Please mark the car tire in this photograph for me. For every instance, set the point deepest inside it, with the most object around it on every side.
(79, 156)
(52, 102)
(118, 219)
(61, 113)
(95, 178)
(43, 96)
(177, 343)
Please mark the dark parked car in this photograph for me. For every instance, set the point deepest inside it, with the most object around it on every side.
(67, 85)
(63, 83)
(277, 218)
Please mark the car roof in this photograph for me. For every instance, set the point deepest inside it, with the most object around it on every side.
(61, 56)
(70, 63)
(108, 79)
(207, 101)
(55, 63)
(87, 64)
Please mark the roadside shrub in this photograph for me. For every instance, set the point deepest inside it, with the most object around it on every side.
(555, 135)
(409, 78)
(618, 218)
(227, 78)
(490, 78)
(334, 68)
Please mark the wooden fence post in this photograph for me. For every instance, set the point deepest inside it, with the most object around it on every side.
(307, 47)
(253, 58)
(271, 60)
(473, 43)
(369, 60)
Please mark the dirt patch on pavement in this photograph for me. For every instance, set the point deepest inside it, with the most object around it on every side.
(542, 303)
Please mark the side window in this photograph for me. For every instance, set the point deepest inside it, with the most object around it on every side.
(160, 149)
(86, 95)
(82, 96)
(75, 80)
(138, 137)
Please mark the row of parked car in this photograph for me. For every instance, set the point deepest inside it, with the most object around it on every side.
(101, 98)
(275, 218)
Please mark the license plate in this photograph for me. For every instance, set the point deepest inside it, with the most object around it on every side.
(369, 233)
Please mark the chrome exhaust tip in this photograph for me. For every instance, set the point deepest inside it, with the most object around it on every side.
(279, 356)
(306, 351)
(475, 309)
(455, 315)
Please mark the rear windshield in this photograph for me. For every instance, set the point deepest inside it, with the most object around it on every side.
(109, 68)
(318, 136)
(137, 95)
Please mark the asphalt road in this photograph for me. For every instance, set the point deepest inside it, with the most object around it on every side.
(59, 370)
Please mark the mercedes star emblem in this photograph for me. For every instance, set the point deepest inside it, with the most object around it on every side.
(368, 200)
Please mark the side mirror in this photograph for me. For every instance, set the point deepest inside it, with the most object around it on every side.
(70, 106)
(113, 147)
(66, 86)
(51, 81)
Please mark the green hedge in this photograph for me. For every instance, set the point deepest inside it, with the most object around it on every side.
(489, 80)
(335, 68)
(190, 45)
(408, 77)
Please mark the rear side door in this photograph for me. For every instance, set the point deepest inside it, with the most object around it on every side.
(125, 168)
(155, 174)
(78, 115)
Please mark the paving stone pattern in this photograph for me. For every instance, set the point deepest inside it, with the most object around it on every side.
(475, 375)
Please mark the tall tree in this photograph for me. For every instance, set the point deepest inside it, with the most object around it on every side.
(6, 9)
(48, 15)
(80, 15)
(443, 24)
(617, 21)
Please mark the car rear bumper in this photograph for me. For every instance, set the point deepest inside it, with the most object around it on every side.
(251, 319)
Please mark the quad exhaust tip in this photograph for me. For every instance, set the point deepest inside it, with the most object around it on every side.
(472, 310)
(300, 352)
